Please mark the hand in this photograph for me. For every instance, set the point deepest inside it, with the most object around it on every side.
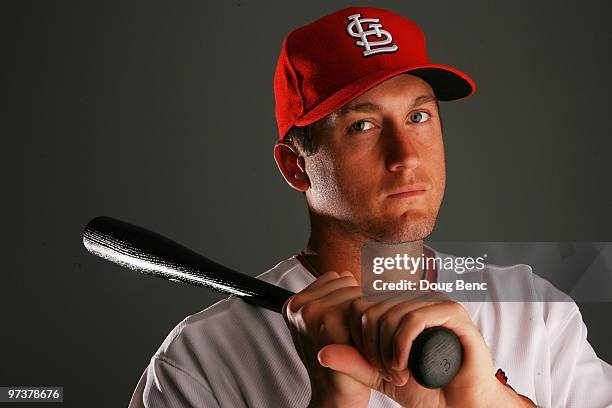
(316, 317)
(382, 333)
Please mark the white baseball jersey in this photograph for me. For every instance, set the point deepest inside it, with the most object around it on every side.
(236, 355)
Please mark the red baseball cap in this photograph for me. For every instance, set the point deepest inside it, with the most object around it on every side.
(328, 63)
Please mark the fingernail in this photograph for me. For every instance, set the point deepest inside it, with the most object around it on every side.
(319, 358)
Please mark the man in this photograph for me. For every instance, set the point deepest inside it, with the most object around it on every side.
(361, 137)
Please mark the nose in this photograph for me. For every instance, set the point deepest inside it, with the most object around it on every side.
(401, 150)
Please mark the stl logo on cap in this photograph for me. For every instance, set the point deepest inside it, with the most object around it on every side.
(354, 29)
(326, 64)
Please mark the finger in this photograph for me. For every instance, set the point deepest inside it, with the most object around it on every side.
(340, 296)
(326, 277)
(356, 309)
(328, 313)
(370, 332)
(333, 330)
(366, 318)
(334, 325)
(348, 360)
(329, 285)
(389, 324)
(412, 324)
(359, 307)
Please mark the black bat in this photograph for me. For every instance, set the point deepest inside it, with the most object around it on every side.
(435, 355)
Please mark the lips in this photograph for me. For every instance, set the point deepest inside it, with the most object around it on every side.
(412, 190)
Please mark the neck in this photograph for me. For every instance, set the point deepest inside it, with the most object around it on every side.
(334, 248)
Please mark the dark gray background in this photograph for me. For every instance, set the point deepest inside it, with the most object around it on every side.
(161, 114)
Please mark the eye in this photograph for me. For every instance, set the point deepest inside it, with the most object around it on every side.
(419, 117)
(361, 126)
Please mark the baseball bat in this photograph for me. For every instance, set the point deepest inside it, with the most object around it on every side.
(435, 355)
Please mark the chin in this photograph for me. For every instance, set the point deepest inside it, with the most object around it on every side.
(412, 225)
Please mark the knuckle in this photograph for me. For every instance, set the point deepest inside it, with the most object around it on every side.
(410, 319)
(344, 283)
(309, 312)
(350, 280)
(331, 274)
(351, 291)
(295, 302)
(329, 320)
(356, 306)
(457, 308)
(289, 307)
(374, 380)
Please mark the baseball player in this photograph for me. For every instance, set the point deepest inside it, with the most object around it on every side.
(360, 134)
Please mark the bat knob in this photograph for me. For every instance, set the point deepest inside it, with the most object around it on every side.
(435, 357)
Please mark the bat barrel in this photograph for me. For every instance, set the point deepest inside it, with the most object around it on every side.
(435, 355)
(148, 252)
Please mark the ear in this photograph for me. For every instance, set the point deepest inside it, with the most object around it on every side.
(291, 165)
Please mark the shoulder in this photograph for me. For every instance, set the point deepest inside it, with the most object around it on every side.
(231, 320)
(221, 350)
(514, 291)
(504, 283)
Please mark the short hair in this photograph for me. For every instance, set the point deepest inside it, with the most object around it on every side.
(302, 138)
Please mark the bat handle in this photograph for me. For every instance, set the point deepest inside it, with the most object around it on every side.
(435, 357)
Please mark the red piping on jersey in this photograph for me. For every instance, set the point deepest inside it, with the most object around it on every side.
(301, 257)
(432, 275)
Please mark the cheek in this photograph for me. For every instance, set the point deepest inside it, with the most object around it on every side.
(336, 184)
(442, 182)
(440, 173)
(434, 162)
(323, 177)
(440, 168)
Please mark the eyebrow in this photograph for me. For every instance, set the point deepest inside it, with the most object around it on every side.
(372, 107)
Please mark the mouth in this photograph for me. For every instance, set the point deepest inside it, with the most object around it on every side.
(413, 190)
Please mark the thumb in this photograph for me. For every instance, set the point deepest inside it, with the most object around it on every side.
(348, 360)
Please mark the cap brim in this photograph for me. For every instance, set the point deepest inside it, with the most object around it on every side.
(448, 84)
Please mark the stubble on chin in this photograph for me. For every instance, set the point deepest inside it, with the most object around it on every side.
(412, 226)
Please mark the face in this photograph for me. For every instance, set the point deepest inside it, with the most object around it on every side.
(379, 167)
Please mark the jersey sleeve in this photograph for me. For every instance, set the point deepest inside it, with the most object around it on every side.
(164, 384)
(578, 377)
